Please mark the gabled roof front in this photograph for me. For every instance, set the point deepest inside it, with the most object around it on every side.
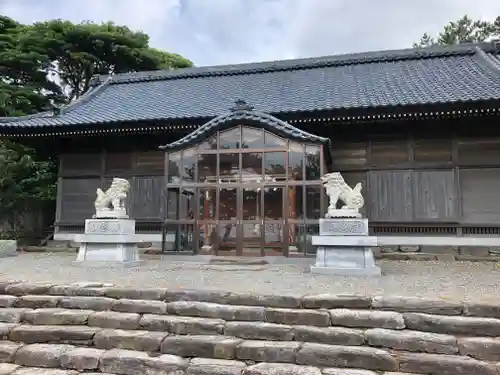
(455, 74)
(242, 111)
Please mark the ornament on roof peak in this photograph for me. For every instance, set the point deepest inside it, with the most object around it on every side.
(241, 105)
(56, 111)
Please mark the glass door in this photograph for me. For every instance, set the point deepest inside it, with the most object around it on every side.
(227, 230)
(275, 232)
(207, 224)
(250, 235)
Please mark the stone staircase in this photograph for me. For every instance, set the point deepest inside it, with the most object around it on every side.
(95, 329)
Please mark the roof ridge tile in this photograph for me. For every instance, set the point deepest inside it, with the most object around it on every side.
(303, 63)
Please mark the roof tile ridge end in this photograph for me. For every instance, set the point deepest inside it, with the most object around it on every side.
(488, 61)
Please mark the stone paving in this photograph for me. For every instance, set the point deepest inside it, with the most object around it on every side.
(448, 281)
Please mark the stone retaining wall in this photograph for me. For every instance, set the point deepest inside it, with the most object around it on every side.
(91, 327)
(442, 253)
(414, 253)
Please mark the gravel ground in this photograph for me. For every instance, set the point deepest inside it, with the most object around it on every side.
(451, 281)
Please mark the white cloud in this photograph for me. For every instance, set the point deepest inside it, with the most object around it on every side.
(231, 31)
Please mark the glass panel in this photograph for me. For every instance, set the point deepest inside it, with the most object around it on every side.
(188, 165)
(304, 240)
(207, 199)
(207, 168)
(252, 138)
(251, 167)
(207, 211)
(172, 204)
(229, 165)
(230, 139)
(227, 204)
(170, 236)
(210, 144)
(295, 202)
(252, 238)
(174, 168)
(208, 233)
(227, 233)
(295, 162)
(274, 166)
(186, 204)
(313, 163)
(295, 234)
(273, 220)
(185, 237)
(251, 204)
(273, 237)
(271, 140)
(273, 203)
(313, 202)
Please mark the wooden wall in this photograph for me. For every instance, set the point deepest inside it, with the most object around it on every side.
(424, 174)
(84, 167)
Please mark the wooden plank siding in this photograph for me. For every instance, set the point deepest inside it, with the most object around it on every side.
(418, 180)
(81, 174)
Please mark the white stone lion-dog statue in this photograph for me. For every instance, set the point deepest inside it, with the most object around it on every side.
(111, 203)
(337, 189)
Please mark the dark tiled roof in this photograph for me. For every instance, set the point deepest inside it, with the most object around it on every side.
(272, 123)
(464, 73)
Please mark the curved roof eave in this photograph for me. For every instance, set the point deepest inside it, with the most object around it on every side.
(244, 112)
(95, 88)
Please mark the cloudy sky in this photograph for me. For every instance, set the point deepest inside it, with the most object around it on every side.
(211, 32)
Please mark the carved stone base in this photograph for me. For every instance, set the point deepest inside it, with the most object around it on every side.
(343, 212)
(345, 248)
(108, 255)
(108, 243)
(343, 227)
(345, 261)
(111, 214)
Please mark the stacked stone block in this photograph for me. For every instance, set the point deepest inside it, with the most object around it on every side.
(71, 329)
(440, 253)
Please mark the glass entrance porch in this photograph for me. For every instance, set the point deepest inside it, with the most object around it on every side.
(242, 190)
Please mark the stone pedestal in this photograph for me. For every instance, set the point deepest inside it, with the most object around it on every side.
(8, 248)
(108, 242)
(345, 248)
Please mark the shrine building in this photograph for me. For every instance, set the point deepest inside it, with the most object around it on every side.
(228, 159)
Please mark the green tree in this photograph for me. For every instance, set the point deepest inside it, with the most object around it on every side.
(25, 182)
(49, 63)
(53, 62)
(77, 52)
(464, 30)
(24, 86)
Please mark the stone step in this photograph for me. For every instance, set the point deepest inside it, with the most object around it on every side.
(56, 243)
(16, 308)
(150, 335)
(53, 359)
(238, 261)
(248, 357)
(13, 369)
(322, 301)
(322, 333)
